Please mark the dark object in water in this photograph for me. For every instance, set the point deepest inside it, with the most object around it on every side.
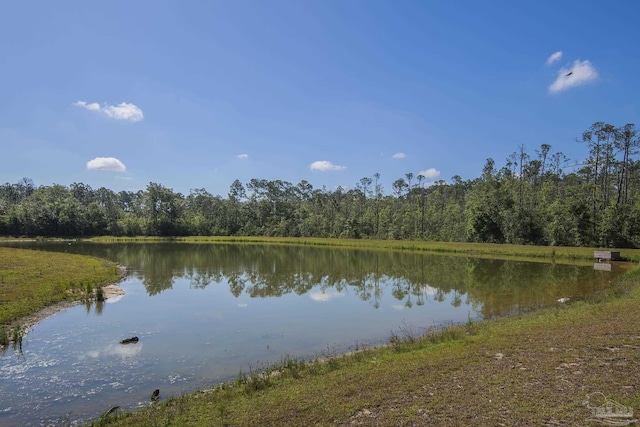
(131, 340)
(155, 395)
(111, 411)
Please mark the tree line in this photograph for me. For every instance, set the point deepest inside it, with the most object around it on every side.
(533, 198)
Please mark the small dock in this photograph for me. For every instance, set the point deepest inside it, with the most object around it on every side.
(606, 256)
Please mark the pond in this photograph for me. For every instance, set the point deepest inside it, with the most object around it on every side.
(206, 312)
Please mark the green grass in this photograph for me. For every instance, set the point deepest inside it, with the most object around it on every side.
(31, 280)
(474, 249)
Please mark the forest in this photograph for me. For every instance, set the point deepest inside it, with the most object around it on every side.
(538, 198)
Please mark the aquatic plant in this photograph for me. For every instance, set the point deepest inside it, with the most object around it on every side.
(16, 336)
(100, 294)
(4, 335)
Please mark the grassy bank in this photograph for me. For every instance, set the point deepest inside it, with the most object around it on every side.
(31, 280)
(534, 369)
(474, 249)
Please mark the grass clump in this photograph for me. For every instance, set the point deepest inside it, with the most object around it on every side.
(100, 294)
(4, 335)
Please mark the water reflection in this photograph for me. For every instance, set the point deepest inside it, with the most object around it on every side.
(491, 287)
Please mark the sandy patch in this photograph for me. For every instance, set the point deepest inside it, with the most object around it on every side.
(111, 291)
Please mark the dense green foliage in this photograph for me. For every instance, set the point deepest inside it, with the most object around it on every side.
(537, 199)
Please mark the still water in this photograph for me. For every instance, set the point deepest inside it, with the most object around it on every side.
(206, 312)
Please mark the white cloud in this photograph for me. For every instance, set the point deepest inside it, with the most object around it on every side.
(398, 156)
(123, 351)
(429, 290)
(430, 173)
(91, 107)
(554, 57)
(107, 164)
(581, 73)
(243, 156)
(325, 296)
(122, 111)
(325, 165)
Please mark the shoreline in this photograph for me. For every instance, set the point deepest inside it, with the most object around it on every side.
(27, 322)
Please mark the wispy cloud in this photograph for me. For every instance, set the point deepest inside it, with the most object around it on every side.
(107, 164)
(122, 111)
(430, 173)
(243, 156)
(580, 73)
(398, 156)
(554, 57)
(325, 165)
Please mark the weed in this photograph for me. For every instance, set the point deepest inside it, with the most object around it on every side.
(256, 381)
(292, 366)
(4, 335)
(333, 363)
(241, 378)
(16, 337)
(313, 367)
(395, 341)
(16, 334)
(99, 294)
(330, 358)
(471, 326)
(407, 334)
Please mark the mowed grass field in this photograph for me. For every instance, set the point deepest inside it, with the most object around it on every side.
(31, 280)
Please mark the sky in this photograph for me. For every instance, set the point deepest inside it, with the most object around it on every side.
(196, 94)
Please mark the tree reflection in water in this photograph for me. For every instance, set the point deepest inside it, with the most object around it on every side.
(492, 287)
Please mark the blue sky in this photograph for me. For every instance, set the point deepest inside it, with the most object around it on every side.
(196, 94)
